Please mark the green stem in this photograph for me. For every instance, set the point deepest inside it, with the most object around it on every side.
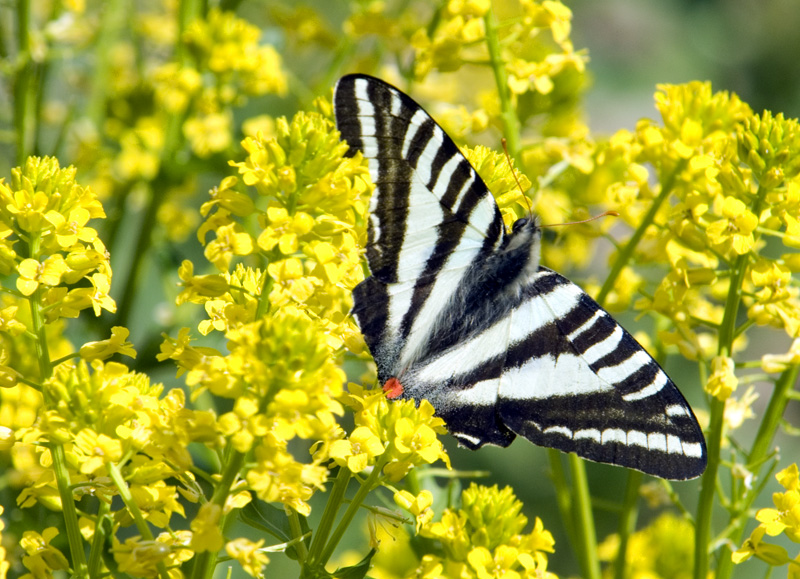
(113, 20)
(626, 254)
(351, 511)
(99, 539)
(705, 506)
(627, 520)
(127, 498)
(329, 515)
(24, 99)
(772, 415)
(511, 128)
(206, 561)
(563, 499)
(57, 451)
(584, 519)
(70, 512)
(727, 335)
(760, 450)
(297, 533)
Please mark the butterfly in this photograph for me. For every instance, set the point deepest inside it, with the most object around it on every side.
(459, 312)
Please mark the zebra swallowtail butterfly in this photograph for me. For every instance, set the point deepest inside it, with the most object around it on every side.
(459, 312)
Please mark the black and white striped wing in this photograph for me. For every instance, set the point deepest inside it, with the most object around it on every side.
(598, 394)
(431, 216)
(559, 371)
(458, 312)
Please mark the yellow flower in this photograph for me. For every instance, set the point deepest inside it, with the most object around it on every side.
(774, 555)
(722, 382)
(735, 229)
(96, 450)
(104, 349)
(244, 425)
(665, 548)
(70, 229)
(175, 86)
(210, 133)
(225, 44)
(140, 558)
(186, 357)
(198, 288)
(41, 557)
(500, 564)
(99, 297)
(283, 230)
(207, 530)
(486, 533)
(358, 451)
(279, 477)
(785, 517)
(419, 506)
(414, 443)
(249, 554)
(739, 410)
(231, 240)
(32, 273)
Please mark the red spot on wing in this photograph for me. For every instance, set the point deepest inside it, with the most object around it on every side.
(393, 388)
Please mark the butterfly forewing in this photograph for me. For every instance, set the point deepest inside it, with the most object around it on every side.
(462, 315)
(430, 218)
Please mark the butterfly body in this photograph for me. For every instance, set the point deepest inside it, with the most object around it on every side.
(459, 312)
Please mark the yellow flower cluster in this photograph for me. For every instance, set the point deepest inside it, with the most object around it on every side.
(783, 519)
(281, 372)
(396, 435)
(498, 174)
(229, 64)
(482, 539)
(58, 262)
(310, 207)
(663, 549)
(726, 178)
(107, 416)
(286, 238)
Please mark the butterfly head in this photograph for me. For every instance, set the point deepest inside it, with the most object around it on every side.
(525, 232)
(521, 246)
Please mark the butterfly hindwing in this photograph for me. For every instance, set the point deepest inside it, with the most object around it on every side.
(597, 392)
(460, 312)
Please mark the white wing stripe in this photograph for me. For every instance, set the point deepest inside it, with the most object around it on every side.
(676, 410)
(467, 355)
(618, 373)
(586, 325)
(693, 449)
(544, 377)
(413, 127)
(654, 441)
(590, 433)
(659, 381)
(605, 347)
(482, 393)
(563, 299)
(445, 175)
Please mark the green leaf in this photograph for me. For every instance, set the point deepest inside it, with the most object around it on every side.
(357, 571)
(273, 520)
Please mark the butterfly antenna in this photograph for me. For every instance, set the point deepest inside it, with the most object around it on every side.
(603, 214)
(513, 172)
